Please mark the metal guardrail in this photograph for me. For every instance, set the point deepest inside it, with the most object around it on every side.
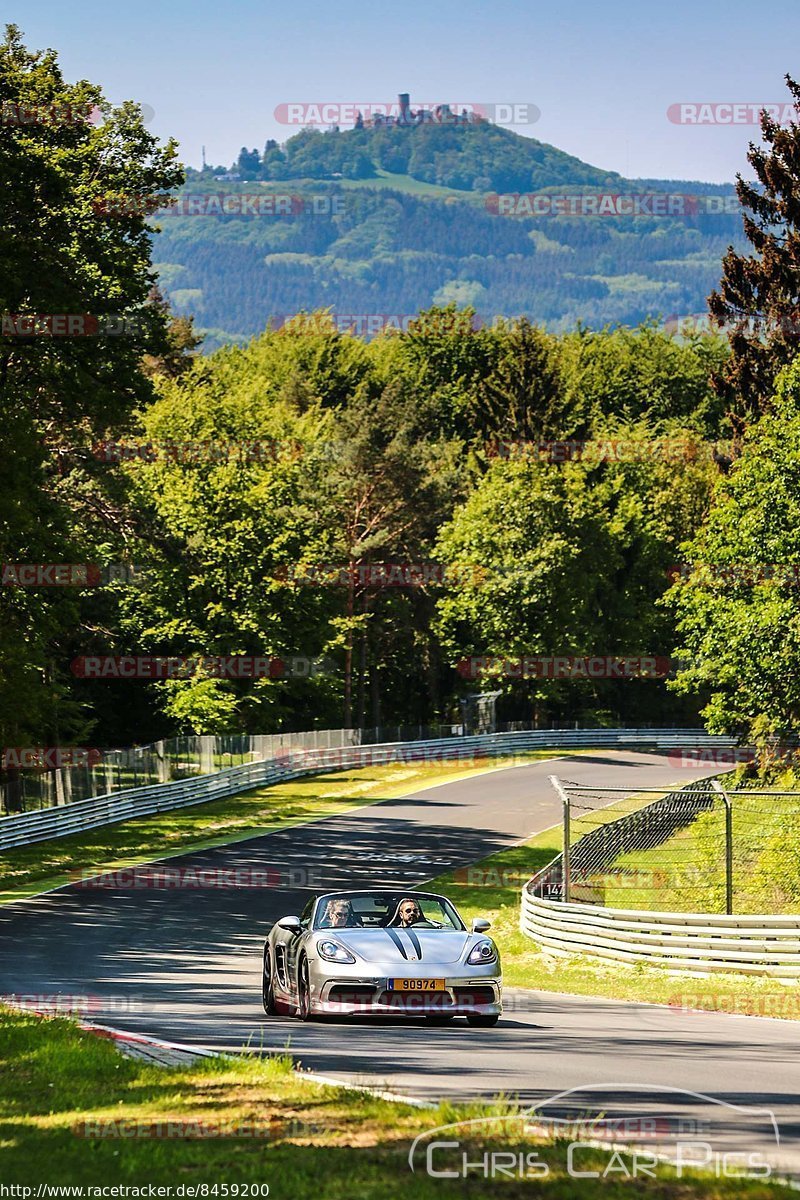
(26, 828)
(695, 942)
(699, 943)
(25, 787)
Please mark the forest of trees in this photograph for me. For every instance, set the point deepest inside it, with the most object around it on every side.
(387, 252)
(536, 493)
(394, 220)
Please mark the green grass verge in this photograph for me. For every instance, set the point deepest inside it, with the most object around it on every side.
(491, 889)
(28, 870)
(60, 1084)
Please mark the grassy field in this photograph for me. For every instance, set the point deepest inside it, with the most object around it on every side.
(73, 1111)
(43, 865)
(492, 889)
(381, 181)
(414, 187)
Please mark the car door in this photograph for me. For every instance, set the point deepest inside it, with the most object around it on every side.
(294, 944)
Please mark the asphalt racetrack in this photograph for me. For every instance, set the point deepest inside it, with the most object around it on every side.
(185, 963)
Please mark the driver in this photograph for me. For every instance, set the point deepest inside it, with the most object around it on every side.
(408, 913)
(338, 914)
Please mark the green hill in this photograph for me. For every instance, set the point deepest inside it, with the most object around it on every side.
(480, 157)
(389, 221)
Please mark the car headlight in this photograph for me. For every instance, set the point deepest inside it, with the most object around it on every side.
(333, 952)
(483, 952)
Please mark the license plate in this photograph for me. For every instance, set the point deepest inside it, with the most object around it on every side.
(416, 985)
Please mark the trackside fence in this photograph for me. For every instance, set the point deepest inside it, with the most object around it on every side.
(294, 761)
(92, 773)
(101, 773)
(677, 879)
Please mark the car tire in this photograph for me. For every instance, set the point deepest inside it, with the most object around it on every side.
(268, 987)
(482, 1020)
(303, 991)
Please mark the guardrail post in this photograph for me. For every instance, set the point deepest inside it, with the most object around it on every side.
(717, 786)
(206, 754)
(565, 865)
(162, 762)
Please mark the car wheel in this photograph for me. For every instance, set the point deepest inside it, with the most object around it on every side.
(303, 991)
(267, 987)
(482, 1021)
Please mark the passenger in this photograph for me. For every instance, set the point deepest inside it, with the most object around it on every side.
(338, 914)
(408, 913)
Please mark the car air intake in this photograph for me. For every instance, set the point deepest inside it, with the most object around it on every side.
(351, 993)
(474, 995)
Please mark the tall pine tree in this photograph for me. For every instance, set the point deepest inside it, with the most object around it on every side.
(758, 301)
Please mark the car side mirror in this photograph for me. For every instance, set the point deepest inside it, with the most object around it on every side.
(480, 925)
(292, 924)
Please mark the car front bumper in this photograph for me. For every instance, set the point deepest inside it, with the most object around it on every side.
(364, 995)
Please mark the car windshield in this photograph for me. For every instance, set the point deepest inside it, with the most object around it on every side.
(380, 910)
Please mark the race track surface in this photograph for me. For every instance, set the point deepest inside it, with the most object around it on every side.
(184, 963)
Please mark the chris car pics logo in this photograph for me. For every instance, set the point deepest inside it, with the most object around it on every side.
(613, 1131)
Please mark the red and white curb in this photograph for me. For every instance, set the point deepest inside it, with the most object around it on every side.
(176, 1054)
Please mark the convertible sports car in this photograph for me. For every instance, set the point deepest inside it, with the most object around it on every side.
(382, 953)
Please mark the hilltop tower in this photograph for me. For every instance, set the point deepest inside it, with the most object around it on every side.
(406, 116)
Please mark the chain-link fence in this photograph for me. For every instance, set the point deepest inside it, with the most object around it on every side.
(705, 848)
(102, 773)
(99, 773)
(27, 788)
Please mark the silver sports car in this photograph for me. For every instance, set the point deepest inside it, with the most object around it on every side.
(382, 953)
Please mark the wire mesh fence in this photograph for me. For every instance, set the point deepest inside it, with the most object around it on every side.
(103, 773)
(704, 848)
(100, 773)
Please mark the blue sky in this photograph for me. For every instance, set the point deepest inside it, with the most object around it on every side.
(603, 75)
